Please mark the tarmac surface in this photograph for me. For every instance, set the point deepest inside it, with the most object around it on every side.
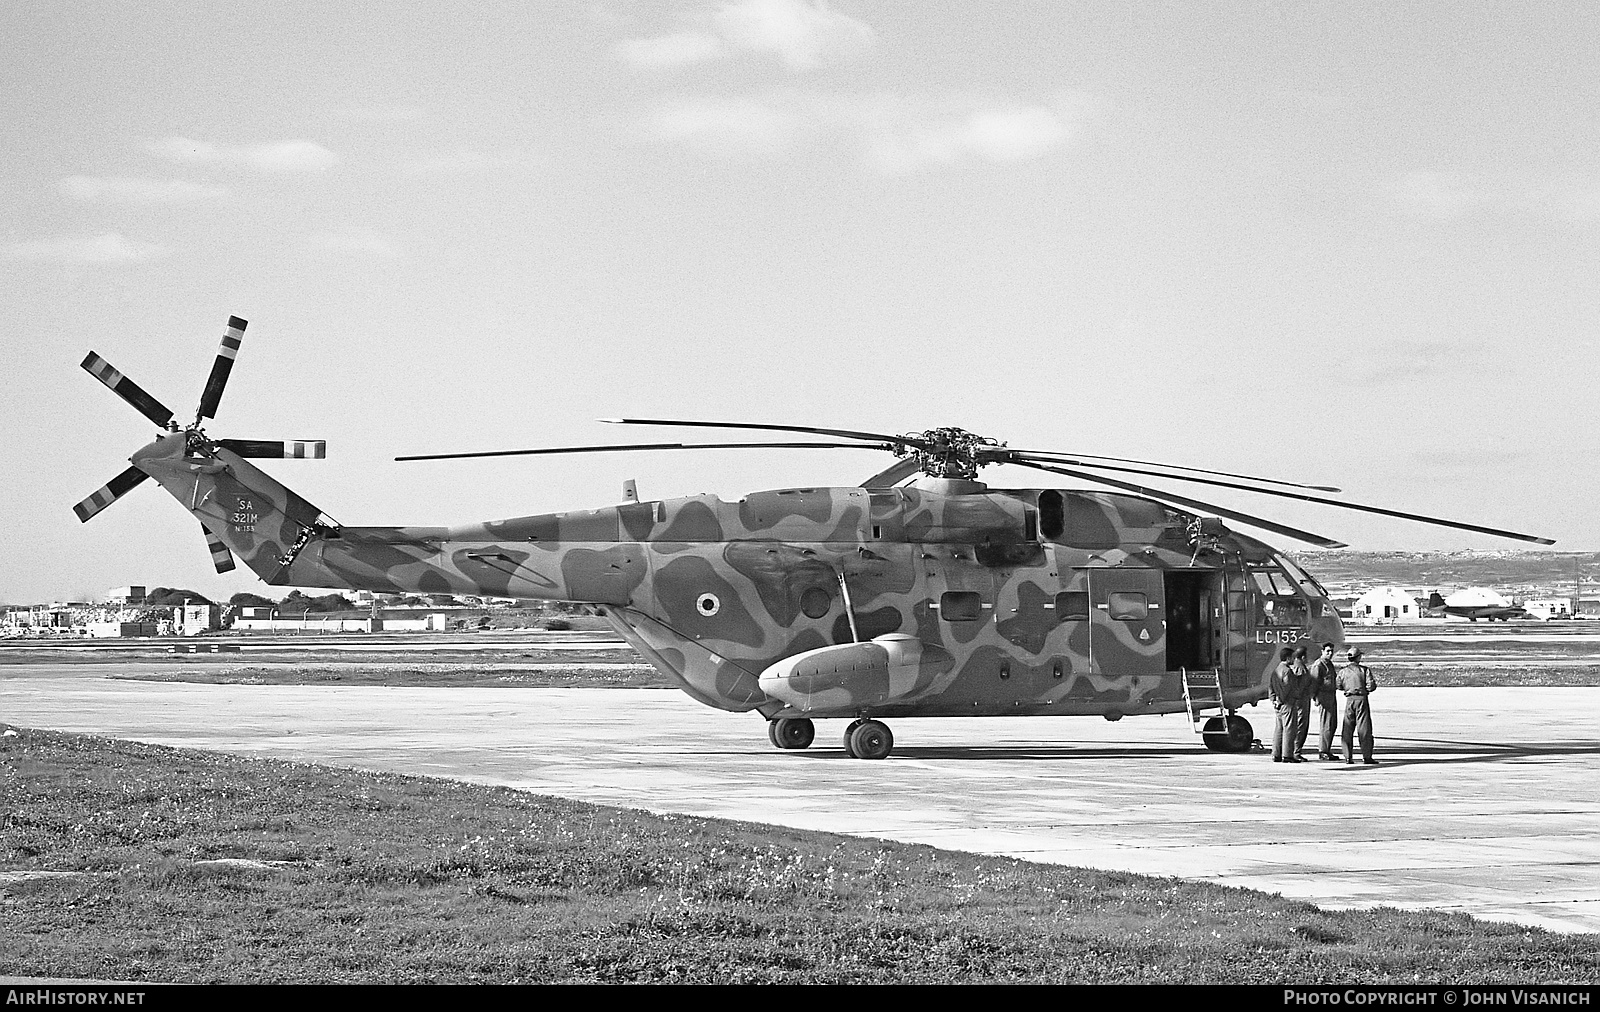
(1487, 800)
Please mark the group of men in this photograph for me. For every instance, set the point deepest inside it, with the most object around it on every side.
(1296, 685)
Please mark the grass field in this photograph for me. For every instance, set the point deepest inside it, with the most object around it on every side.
(137, 862)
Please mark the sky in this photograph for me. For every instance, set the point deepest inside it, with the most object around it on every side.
(1349, 244)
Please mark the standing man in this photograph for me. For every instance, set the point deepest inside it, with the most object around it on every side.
(1357, 684)
(1304, 690)
(1281, 690)
(1325, 692)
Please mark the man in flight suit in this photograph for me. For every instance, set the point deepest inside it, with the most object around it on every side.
(1284, 691)
(1357, 684)
(1325, 691)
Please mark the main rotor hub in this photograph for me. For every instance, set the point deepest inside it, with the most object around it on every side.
(949, 452)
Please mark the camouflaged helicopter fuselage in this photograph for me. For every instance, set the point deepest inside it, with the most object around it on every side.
(1071, 617)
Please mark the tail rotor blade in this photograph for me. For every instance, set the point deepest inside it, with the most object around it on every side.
(109, 493)
(220, 368)
(295, 449)
(128, 390)
(220, 556)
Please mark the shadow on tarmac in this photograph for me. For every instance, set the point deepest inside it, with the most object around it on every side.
(1412, 752)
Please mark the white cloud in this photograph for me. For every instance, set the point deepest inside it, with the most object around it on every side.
(138, 190)
(109, 248)
(727, 126)
(1447, 196)
(459, 162)
(991, 133)
(670, 50)
(1568, 198)
(382, 113)
(1434, 195)
(893, 134)
(358, 241)
(802, 35)
(284, 156)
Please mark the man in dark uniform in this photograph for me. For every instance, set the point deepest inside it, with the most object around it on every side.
(1357, 684)
(1325, 692)
(1305, 688)
(1282, 690)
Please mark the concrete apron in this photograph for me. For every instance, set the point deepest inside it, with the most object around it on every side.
(1487, 800)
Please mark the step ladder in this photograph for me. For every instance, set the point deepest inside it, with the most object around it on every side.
(1202, 691)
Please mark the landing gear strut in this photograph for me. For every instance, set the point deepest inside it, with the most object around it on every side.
(1234, 736)
(868, 739)
(791, 732)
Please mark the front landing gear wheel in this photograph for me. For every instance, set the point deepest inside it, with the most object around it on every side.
(869, 739)
(1234, 736)
(791, 732)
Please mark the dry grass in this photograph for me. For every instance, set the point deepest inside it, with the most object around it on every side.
(194, 866)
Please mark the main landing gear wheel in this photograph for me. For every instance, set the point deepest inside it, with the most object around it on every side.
(848, 731)
(868, 739)
(1236, 736)
(791, 732)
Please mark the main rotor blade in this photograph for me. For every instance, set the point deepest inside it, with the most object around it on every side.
(1420, 518)
(642, 446)
(1087, 460)
(296, 449)
(874, 437)
(220, 367)
(894, 474)
(1244, 518)
(109, 493)
(128, 390)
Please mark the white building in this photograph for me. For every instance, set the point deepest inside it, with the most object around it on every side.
(1385, 604)
(1549, 608)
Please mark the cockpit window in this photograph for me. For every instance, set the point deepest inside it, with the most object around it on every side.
(1271, 582)
(1279, 601)
(1308, 583)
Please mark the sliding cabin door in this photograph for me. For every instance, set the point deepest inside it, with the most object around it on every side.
(1127, 621)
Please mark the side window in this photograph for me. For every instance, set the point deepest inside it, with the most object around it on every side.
(961, 606)
(1128, 605)
(1072, 606)
(816, 602)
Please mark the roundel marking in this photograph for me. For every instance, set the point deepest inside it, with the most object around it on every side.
(708, 604)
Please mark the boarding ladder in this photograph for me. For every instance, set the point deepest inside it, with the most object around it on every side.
(1202, 691)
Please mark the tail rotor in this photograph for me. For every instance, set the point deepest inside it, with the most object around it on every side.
(197, 447)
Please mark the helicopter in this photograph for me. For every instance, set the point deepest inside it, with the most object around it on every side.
(921, 592)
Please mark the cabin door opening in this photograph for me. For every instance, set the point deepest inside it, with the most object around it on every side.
(1195, 621)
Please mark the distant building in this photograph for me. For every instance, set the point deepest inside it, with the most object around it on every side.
(1385, 604)
(123, 596)
(1547, 609)
(194, 619)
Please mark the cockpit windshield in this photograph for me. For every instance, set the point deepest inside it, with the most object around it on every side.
(1308, 583)
(1280, 601)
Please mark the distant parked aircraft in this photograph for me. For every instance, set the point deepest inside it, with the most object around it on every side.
(1475, 604)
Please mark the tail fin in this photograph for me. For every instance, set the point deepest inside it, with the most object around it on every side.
(261, 521)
